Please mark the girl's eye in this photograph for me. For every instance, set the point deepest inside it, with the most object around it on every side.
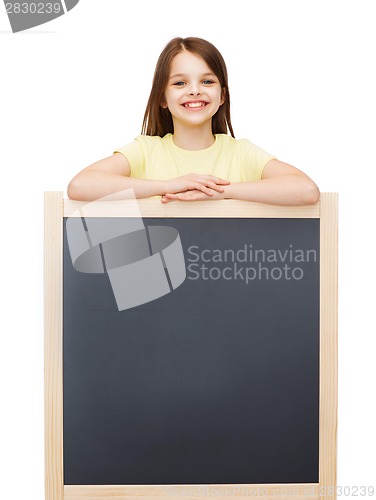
(179, 84)
(208, 82)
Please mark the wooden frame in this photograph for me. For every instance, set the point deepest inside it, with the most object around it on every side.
(55, 209)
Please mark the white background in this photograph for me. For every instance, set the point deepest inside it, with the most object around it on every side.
(302, 81)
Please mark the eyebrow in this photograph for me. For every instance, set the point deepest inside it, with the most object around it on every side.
(179, 75)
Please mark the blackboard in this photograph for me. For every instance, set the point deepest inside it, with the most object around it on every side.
(214, 383)
(222, 382)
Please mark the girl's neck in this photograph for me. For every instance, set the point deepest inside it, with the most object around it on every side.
(193, 138)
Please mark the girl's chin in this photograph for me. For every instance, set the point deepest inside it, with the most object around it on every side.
(191, 124)
(194, 118)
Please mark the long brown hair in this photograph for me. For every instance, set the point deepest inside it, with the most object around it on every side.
(158, 120)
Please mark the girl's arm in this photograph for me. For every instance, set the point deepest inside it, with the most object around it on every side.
(281, 184)
(108, 176)
(112, 175)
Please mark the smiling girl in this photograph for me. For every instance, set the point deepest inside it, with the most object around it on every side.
(185, 151)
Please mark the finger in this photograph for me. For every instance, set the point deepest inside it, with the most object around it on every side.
(204, 189)
(217, 180)
(212, 185)
(185, 196)
(174, 196)
(216, 187)
(164, 199)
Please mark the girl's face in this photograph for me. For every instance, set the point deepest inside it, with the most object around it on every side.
(193, 93)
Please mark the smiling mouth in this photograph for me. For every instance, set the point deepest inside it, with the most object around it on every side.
(195, 104)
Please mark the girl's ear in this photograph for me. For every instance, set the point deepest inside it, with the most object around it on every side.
(163, 103)
(223, 96)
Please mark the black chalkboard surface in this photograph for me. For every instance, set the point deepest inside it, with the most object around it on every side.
(216, 382)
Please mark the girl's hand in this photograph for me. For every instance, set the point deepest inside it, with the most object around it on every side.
(191, 195)
(207, 184)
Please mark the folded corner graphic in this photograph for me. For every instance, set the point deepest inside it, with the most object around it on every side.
(143, 263)
(25, 15)
(71, 3)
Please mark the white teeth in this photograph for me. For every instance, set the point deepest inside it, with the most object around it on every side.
(194, 104)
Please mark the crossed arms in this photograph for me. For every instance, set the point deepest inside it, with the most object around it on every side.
(281, 184)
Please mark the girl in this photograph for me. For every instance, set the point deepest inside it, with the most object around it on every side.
(185, 152)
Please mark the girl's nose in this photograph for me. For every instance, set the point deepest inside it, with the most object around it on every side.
(194, 92)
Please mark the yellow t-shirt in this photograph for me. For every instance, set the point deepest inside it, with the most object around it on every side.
(158, 158)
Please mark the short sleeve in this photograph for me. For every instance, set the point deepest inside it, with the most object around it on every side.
(135, 156)
(252, 160)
